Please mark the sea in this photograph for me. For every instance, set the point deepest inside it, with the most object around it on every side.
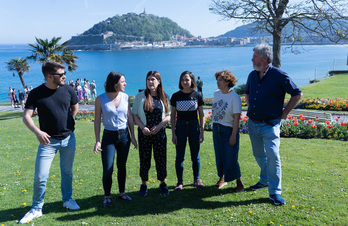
(304, 63)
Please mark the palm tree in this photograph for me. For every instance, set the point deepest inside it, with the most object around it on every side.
(20, 65)
(45, 50)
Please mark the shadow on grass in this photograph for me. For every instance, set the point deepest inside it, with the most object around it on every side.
(153, 203)
(10, 115)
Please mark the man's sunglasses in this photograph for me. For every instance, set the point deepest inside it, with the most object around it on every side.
(60, 74)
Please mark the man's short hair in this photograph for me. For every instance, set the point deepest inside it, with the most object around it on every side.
(49, 67)
(265, 51)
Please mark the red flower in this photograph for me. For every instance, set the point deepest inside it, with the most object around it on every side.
(295, 119)
(336, 119)
(314, 126)
(290, 116)
(295, 123)
(287, 124)
(327, 122)
(310, 121)
(329, 126)
(302, 118)
(301, 115)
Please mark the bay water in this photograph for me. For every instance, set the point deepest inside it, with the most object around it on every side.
(311, 62)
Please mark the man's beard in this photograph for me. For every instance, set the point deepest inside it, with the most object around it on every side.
(58, 82)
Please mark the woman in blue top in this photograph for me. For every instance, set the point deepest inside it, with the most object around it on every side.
(114, 110)
(186, 104)
(151, 114)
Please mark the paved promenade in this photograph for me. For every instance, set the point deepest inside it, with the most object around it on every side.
(82, 107)
(342, 117)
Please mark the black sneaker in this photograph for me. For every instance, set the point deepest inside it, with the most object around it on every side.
(164, 189)
(277, 199)
(258, 186)
(143, 190)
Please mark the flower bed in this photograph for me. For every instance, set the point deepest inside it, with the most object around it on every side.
(298, 127)
(303, 128)
(85, 116)
(337, 104)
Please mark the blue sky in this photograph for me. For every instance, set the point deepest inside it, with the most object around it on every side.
(23, 20)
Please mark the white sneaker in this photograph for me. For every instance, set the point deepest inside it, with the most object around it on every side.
(33, 213)
(71, 204)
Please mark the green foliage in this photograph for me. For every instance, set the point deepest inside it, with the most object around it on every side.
(312, 185)
(133, 27)
(20, 65)
(45, 50)
(239, 89)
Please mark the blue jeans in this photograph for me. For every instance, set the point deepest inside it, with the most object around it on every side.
(119, 140)
(184, 130)
(226, 156)
(45, 155)
(265, 141)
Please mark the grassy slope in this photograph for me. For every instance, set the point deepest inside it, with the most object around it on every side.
(331, 87)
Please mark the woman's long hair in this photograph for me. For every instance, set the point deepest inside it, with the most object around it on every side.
(160, 93)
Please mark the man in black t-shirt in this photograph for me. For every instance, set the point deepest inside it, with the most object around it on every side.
(57, 105)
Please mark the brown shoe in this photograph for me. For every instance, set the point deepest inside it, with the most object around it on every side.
(221, 183)
(240, 186)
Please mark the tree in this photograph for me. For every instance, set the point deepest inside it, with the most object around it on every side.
(289, 19)
(20, 65)
(45, 50)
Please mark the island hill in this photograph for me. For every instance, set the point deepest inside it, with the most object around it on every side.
(147, 31)
(131, 31)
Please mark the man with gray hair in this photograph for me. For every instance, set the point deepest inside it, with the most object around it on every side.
(265, 92)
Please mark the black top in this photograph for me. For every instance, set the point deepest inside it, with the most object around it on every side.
(53, 106)
(155, 117)
(186, 104)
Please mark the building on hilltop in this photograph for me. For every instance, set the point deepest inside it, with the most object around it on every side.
(144, 14)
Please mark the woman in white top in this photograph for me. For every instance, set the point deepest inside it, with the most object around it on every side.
(227, 108)
(112, 107)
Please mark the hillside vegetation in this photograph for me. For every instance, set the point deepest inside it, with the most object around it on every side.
(132, 26)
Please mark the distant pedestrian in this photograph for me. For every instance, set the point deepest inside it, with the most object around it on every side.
(93, 88)
(57, 105)
(26, 92)
(199, 84)
(21, 98)
(10, 96)
(85, 93)
(265, 92)
(14, 98)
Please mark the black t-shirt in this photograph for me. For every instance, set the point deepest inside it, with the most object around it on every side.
(186, 104)
(53, 108)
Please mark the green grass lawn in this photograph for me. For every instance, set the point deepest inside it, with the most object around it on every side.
(315, 185)
(330, 87)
